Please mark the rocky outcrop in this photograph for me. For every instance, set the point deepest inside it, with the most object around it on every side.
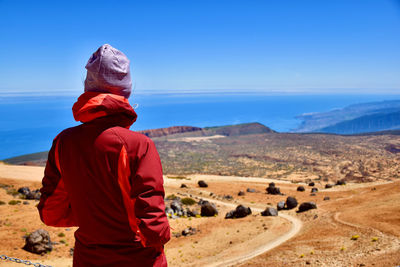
(38, 242)
(28, 194)
(170, 130)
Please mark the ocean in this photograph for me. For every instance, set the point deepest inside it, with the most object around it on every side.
(29, 123)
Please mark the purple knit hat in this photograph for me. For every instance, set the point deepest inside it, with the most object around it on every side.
(108, 72)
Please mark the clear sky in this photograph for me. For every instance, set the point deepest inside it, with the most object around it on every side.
(205, 45)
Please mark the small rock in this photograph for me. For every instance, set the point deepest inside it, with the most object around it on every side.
(314, 190)
(307, 206)
(201, 183)
(280, 205)
(311, 184)
(301, 188)
(341, 182)
(189, 231)
(184, 186)
(313, 194)
(291, 203)
(228, 197)
(271, 189)
(241, 193)
(327, 186)
(38, 242)
(327, 198)
(251, 190)
(25, 202)
(71, 252)
(269, 212)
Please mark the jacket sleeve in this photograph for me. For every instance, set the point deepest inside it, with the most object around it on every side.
(54, 206)
(148, 192)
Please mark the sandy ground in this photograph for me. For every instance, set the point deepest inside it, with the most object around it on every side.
(321, 238)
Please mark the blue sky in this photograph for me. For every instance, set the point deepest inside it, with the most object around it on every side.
(205, 45)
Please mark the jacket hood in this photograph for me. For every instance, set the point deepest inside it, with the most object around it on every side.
(93, 105)
(108, 71)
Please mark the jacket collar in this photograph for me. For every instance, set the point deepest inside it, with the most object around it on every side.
(94, 105)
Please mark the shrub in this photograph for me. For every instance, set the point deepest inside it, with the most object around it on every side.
(374, 239)
(355, 237)
(61, 235)
(172, 197)
(188, 201)
(14, 202)
(2, 202)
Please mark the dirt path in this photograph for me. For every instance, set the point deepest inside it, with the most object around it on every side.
(296, 225)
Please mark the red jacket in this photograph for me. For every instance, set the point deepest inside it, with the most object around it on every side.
(107, 180)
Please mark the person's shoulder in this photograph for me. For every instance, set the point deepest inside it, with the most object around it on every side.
(132, 136)
(68, 131)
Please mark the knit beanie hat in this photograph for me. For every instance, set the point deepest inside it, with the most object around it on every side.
(108, 72)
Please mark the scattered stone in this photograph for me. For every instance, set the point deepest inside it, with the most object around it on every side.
(280, 205)
(308, 262)
(327, 186)
(313, 194)
(241, 193)
(251, 190)
(201, 183)
(269, 212)
(189, 231)
(184, 186)
(341, 182)
(291, 203)
(307, 206)
(208, 209)
(228, 197)
(38, 242)
(240, 212)
(271, 189)
(71, 252)
(327, 198)
(300, 188)
(314, 190)
(311, 184)
(28, 194)
(25, 202)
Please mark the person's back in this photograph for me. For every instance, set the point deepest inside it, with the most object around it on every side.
(106, 179)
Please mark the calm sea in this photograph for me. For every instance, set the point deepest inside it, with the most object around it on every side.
(29, 124)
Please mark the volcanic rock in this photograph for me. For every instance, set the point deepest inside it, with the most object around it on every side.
(189, 231)
(327, 198)
(327, 186)
(300, 188)
(341, 182)
(208, 209)
(314, 190)
(184, 186)
(201, 183)
(38, 242)
(240, 212)
(269, 212)
(307, 206)
(241, 193)
(251, 190)
(311, 184)
(280, 205)
(271, 189)
(291, 203)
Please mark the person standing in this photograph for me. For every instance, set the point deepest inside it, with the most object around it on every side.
(104, 178)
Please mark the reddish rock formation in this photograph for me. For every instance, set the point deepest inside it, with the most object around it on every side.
(170, 130)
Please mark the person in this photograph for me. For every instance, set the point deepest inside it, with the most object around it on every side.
(104, 178)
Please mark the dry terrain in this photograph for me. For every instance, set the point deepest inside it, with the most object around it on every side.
(320, 237)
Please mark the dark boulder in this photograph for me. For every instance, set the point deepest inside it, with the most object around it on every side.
(269, 212)
(291, 203)
(201, 183)
(251, 190)
(272, 190)
(240, 212)
(301, 188)
(228, 197)
(24, 190)
(341, 182)
(327, 198)
(314, 190)
(189, 231)
(280, 205)
(208, 209)
(28, 194)
(327, 186)
(311, 184)
(184, 186)
(307, 206)
(38, 242)
(241, 193)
